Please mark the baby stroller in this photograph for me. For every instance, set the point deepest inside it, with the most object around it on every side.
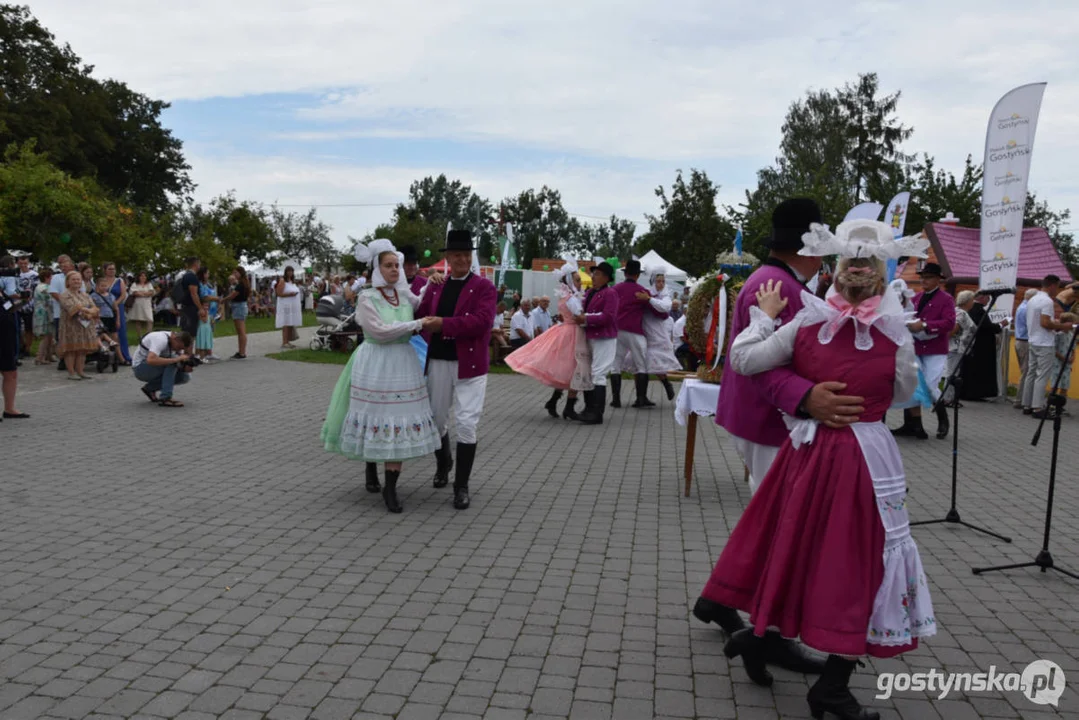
(107, 353)
(337, 326)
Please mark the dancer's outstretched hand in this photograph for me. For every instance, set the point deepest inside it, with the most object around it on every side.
(769, 300)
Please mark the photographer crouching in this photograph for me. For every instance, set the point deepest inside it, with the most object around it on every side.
(162, 360)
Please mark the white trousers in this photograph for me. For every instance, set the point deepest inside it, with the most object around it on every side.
(632, 352)
(463, 397)
(933, 367)
(757, 458)
(603, 353)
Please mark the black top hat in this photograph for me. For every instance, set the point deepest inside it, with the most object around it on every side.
(790, 221)
(606, 269)
(633, 268)
(458, 240)
(932, 269)
(409, 251)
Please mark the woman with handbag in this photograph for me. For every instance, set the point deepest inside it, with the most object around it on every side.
(289, 310)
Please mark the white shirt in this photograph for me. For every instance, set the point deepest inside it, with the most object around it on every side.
(541, 320)
(679, 328)
(156, 343)
(1040, 304)
(57, 285)
(358, 285)
(520, 321)
(498, 321)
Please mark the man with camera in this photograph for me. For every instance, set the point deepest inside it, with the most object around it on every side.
(162, 360)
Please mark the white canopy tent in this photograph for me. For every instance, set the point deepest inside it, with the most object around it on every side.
(652, 260)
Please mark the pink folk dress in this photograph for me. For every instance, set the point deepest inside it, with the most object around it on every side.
(823, 552)
(559, 357)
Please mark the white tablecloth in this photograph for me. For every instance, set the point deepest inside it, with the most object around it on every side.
(699, 398)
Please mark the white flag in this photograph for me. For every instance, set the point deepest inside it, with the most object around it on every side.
(1009, 143)
(864, 211)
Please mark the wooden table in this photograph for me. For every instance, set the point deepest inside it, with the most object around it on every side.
(695, 398)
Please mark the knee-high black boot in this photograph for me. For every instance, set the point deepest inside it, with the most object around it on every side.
(640, 383)
(389, 493)
(443, 463)
(466, 455)
(943, 426)
(570, 412)
(668, 387)
(372, 484)
(907, 428)
(831, 693)
(727, 618)
(751, 649)
(616, 390)
(594, 405)
(552, 404)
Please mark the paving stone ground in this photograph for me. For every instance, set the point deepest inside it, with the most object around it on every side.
(213, 562)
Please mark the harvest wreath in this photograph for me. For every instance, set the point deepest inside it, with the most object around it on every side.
(703, 307)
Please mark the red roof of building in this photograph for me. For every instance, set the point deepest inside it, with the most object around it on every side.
(958, 250)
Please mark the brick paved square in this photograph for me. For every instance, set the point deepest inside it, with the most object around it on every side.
(258, 579)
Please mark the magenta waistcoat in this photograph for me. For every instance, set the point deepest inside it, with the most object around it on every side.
(601, 313)
(470, 326)
(939, 318)
(749, 405)
(630, 309)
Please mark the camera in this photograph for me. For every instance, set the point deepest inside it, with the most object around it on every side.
(190, 364)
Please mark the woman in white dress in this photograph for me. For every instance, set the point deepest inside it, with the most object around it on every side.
(658, 331)
(289, 310)
(380, 411)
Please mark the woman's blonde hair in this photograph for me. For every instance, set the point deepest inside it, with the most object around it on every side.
(964, 297)
(73, 273)
(858, 279)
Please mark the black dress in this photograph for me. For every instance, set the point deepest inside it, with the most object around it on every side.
(980, 366)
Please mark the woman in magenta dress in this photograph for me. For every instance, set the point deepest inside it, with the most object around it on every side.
(559, 358)
(823, 552)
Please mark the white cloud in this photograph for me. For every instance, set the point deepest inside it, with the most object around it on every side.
(686, 82)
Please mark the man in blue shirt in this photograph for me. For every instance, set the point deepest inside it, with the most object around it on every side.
(1022, 344)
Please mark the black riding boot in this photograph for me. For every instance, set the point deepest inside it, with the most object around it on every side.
(751, 649)
(466, 455)
(668, 387)
(552, 404)
(640, 382)
(907, 428)
(443, 463)
(919, 429)
(792, 655)
(570, 412)
(595, 401)
(372, 483)
(831, 693)
(616, 390)
(389, 493)
(943, 426)
(727, 618)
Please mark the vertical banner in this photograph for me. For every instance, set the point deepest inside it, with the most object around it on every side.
(896, 216)
(864, 211)
(1009, 142)
(509, 256)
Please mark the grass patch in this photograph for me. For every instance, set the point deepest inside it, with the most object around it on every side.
(227, 328)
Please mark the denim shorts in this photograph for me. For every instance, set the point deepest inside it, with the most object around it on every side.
(239, 311)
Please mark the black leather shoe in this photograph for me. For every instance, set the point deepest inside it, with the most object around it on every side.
(389, 493)
(712, 612)
(443, 463)
(616, 390)
(669, 388)
(461, 501)
(943, 426)
(570, 411)
(372, 483)
(750, 648)
(831, 693)
(792, 655)
(552, 405)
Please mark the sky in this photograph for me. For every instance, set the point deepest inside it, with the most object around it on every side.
(346, 102)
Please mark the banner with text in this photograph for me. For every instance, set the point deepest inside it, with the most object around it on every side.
(1009, 142)
(896, 216)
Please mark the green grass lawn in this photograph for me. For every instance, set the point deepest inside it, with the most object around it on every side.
(226, 328)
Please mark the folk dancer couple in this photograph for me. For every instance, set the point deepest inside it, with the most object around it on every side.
(823, 552)
(562, 358)
(383, 409)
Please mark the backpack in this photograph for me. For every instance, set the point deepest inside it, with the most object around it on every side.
(177, 294)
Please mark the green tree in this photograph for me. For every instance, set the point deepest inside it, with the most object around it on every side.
(303, 236)
(434, 201)
(1039, 214)
(689, 231)
(541, 226)
(84, 126)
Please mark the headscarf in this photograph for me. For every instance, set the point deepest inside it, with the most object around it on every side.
(662, 299)
(369, 254)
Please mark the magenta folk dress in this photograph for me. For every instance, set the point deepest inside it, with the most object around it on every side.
(823, 552)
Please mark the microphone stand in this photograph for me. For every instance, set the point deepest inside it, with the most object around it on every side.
(955, 381)
(1056, 401)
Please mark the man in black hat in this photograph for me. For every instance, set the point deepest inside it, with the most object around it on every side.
(749, 407)
(461, 312)
(412, 269)
(935, 312)
(631, 353)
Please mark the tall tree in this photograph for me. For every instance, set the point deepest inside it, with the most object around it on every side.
(541, 226)
(440, 200)
(873, 135)
(689, 231)
(303, 236)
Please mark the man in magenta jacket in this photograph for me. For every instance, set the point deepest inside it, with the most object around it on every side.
(633, 300)
(463, 309)
(600, 321)
(750, 407)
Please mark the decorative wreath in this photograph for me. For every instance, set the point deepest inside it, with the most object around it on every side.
(700, 306)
